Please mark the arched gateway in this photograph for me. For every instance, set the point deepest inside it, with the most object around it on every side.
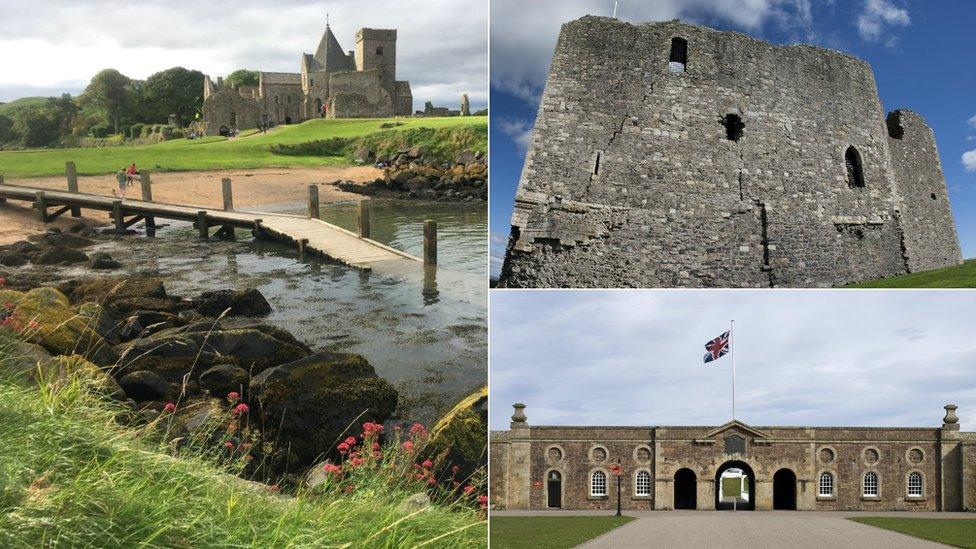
(678, 467)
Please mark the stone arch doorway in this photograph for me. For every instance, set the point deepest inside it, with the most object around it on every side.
(224, 131)
(685, 489)
(784, 490)
(287, 120)
(554, 490)
(748, 502)
(318, 107)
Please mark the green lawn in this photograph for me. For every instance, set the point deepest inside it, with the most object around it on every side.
(549, 532)
(958, 533)
(960, 276)
(249, 151)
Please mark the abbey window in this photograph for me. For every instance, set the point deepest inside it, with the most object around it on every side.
(855, 171)
(678, 61)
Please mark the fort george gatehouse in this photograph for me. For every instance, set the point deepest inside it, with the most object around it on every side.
(680, 467)
(333, 83)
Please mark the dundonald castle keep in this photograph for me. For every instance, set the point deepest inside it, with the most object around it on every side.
(668, 154)
(333, 83)
(804, 468)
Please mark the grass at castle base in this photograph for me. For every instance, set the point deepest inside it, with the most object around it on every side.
(954, 532)
(211, 153)
(70, 476)
(549, 532)
(959, 276)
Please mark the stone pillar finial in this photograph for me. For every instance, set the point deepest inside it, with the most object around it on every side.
(951, 420)
(518, 418)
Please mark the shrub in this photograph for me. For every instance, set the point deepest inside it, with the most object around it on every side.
(100, 131)
(178, 134)
(146, 131)
(136, 130)
(125, 130)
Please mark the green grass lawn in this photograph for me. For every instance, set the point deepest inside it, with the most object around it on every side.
(549, 532)
(72, 476)
(959, 276)
(958, 533)
(249, 151)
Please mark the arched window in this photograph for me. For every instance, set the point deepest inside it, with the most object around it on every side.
(642, 483)
(826, 485)
(855, 173)
(870, 484)
(915, 486)
(678, 61)
(379, 50)
(733, 127)
(598, 483)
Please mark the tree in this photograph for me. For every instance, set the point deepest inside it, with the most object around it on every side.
(173, 91)
(64, 110)
(242, 77)
(36, 126)
(7, 134)
(112, 91)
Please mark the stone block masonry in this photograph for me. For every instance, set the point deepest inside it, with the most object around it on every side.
(673, 155)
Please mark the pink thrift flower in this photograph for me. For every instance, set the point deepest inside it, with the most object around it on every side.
(170, 407)
(240, 409)
(408, 446)
(428, 464)
(229, 445)
(468, 489)
(233, 397)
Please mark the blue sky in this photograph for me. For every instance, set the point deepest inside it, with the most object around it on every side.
(803, 358)
(923, 58)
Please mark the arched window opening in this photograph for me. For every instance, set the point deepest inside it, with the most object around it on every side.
(597, 157)
(598, 484)
(678, 61)
(855, 172)
(895, 129)
(826, 485)
(554, 489)
(915, 488)
(870, 484)
(733, 127)
(642, 483)
(379, 50)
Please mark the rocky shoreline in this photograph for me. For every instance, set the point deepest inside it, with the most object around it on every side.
(163, 354)
(408, 175)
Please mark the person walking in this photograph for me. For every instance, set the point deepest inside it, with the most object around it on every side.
(123, 178)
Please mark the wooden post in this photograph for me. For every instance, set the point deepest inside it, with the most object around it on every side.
(228, 194)
(202, 224)
(72, 174)
(146, 184)
(363, 219)
(2, 198)
(302, 244)
(313, 201)
(430, 242)
(117, 215)
(40, 203)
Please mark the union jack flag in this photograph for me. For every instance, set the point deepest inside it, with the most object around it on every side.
(717, 348)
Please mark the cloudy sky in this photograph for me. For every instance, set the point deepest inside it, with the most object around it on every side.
(813, 358)
(50, 47)
(923, 59)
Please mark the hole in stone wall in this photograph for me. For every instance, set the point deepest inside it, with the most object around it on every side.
(733, 127)
(678, 60)
(895, 129)
(596, 162)
(933, 196)
(855, 172)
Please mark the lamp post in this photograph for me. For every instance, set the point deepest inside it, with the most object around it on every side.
(616, 472)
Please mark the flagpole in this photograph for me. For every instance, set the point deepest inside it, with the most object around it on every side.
(732, 350)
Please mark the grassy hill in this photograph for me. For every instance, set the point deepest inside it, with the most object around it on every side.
(250, 151)
(71, 475)
(959, 276)
(8, 108)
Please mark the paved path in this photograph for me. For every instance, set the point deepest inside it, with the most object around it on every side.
(755, 530)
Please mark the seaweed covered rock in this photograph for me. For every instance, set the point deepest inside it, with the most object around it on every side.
(124, 295)
(225, 378)
(196, 347)
(22, 360)
(247, 302)
(47, 319)
(144, 385)
(103, 261)
(55, 238)
(100, 320)
(60, 255)
(64, 368)
(311, 403)
(461, 436)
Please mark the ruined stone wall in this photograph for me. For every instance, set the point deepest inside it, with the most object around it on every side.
(631, 180)
(283, 102)
(969, 471)
(522, 459)
(359, 95)
(229, 109)
(376, 49)
(926, 217)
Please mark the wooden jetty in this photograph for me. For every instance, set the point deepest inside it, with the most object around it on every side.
(308, 233)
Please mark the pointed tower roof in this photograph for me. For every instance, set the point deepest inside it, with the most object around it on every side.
(330, 54)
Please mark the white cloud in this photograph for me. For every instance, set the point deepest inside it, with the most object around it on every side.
(497, 253)
(442, 44)
(635, 357)
(876, 15)
(972, 122)
(519, 130)
(969, 160)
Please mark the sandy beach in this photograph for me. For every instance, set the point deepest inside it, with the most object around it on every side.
(251, 188)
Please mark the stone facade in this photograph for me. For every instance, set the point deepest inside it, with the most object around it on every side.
(668, 154)
(552, 467)
(354, 84)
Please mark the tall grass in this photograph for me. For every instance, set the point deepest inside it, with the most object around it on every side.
(74, 474)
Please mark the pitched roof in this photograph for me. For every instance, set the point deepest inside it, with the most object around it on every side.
(281, 78)
(330, 54)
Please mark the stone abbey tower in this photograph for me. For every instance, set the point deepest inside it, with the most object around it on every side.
(668, 154)
(360, 83)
